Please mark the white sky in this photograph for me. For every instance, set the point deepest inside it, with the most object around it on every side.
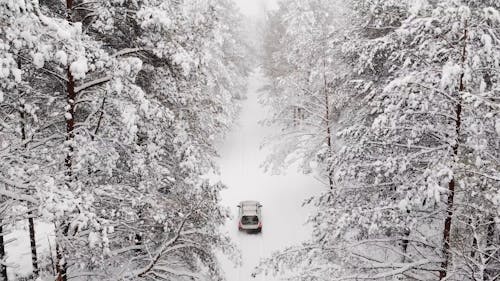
(255, 8)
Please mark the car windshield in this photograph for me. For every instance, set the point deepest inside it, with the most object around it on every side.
(246, 220)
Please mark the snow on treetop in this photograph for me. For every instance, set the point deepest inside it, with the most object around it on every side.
(62, 57)
(449, 75)
(184, 60)
(156, 18)
(38, 60)
(79, 68)
(492, 14)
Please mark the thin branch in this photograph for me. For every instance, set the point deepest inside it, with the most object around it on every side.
(92, 83)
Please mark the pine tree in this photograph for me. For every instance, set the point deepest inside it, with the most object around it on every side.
(412, 111)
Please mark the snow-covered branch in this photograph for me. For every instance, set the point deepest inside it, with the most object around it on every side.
(16, 196)
(128, 51)
(163, 247)
(397, 269)
(92, 83)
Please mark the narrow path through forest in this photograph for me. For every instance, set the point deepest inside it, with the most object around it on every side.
(281, 195)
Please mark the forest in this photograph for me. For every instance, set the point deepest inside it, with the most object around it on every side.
(397, 105)
(110, 113)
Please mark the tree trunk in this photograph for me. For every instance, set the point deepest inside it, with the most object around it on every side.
(490, 253)
(34, 256)
(474, 245)
(405, 242)
(31, 223)
(61, 265)
(328, 130)
(3, 268)
(70, 106)
(96, 130)
(70, 124)
(451, 184)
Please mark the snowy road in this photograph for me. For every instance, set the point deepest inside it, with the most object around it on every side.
(281, 196)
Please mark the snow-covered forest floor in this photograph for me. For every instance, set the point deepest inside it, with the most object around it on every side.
(19, 252)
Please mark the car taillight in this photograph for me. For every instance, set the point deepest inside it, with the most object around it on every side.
(239, 224)
(260, 225)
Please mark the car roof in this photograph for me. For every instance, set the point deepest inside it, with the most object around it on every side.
(249, 202)
(249, 207)
(248, 210)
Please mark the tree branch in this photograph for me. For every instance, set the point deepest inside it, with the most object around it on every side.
(92, 83)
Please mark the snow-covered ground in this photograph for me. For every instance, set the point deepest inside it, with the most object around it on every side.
(18, 250)
(281, 196)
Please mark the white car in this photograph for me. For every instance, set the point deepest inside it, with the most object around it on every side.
(250, 216)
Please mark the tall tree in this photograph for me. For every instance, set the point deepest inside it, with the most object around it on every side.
(300, 55)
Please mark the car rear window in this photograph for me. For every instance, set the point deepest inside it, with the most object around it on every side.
(249, 220)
